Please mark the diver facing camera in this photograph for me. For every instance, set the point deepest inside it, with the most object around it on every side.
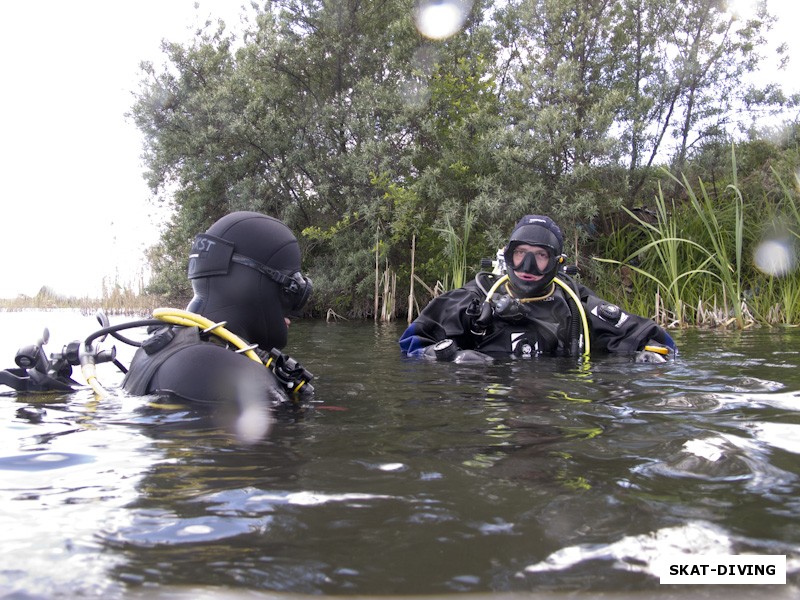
(530, 306)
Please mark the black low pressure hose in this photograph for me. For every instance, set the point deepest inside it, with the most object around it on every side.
(113, 329)
(575, 326)
(576, 319)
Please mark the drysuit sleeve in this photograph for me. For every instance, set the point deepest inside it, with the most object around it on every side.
(615, 330)
(444, 317)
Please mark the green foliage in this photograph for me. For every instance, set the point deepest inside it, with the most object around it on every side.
(456, 250)
(339, 119)
(720, 237)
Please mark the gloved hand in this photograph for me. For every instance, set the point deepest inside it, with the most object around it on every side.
(653, 353)
(447, 350)
(648, 356)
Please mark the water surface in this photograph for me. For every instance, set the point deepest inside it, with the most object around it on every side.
(408, 477)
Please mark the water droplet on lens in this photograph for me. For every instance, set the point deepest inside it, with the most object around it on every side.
(775, 257)
(440, 19)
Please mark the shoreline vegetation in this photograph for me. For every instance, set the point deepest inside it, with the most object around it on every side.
(725, 258)
(720, 257)
(400, 165)
(119, 301)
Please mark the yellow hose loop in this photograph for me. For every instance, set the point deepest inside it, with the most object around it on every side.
(190, 319)
(568, 290)
(574, 296)
(493, 289)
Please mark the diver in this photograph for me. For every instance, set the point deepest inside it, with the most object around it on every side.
(534, 308)
(245, 274)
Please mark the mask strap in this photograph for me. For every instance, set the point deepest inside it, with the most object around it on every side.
(290, 284)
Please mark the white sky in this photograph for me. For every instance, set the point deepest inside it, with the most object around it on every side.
(75, 205)
(76, 209)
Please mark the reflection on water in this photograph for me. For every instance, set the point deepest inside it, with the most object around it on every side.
(408, 477)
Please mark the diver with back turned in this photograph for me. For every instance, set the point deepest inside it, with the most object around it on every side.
(532, 309)
(245, 273)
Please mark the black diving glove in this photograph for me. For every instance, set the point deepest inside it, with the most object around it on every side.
(447, 351)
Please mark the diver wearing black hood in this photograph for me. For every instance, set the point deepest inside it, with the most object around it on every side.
(245, 273)
(533, 308)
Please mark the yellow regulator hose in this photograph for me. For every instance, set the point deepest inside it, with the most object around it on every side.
(190, 319)
(565, 286)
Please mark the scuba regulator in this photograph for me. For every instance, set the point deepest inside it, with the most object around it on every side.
(510, 308)
(37, 372)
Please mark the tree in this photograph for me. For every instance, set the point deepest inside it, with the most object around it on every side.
(339, 118)
(601, 84)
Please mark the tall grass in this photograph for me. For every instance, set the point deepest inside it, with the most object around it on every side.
(668, 267)
(724, 263)
(695, 256)
(779, 293)
(455, 250)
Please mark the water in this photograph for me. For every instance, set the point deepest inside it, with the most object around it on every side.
(408, 477)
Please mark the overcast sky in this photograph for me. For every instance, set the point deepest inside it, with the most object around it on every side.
(76, 209)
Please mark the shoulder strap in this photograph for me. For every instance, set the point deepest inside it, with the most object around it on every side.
(144, 366)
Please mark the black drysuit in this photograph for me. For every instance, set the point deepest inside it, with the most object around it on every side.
(534, 327)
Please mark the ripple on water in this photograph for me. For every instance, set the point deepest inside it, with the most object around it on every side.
(161, 528)
(718, 458)
(641, 553)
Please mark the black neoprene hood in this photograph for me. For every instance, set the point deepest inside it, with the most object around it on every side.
(534, 230)
(252, 303)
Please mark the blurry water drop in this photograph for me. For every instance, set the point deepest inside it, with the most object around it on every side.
(440, 19)
(254, 420)
(425, 59)
(775, 257)
(415, 93)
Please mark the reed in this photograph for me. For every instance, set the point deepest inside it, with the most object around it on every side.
(117, 301)
(455, 250)
(778, 297)
(700, 274)
(668, 269)
(724, 263)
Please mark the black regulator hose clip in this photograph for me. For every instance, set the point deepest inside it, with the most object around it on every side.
(33, 356)
(290, 373)
(480, 316)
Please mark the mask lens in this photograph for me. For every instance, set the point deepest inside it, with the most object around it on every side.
(536, 262)
(298, 291)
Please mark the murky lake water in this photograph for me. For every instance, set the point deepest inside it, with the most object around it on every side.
(408, 477)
